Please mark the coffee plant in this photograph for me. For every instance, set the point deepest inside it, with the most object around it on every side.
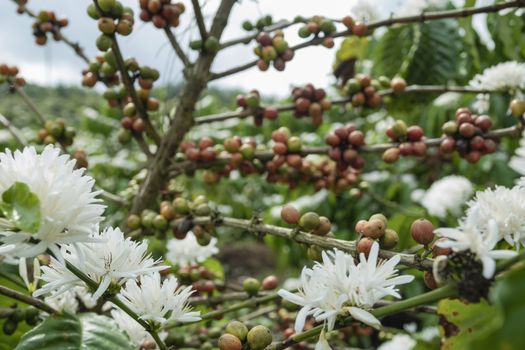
(386, 211)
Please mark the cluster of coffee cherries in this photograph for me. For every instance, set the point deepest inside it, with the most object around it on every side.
(467, 135)
(242, 153)
(210, 44)
(252, 102)
(357, 28)
(14, 315)
(200, 278)
(237, 337)
(103, 68)
(112, 18)
(344, 143)
(422, 232)
(409, 139)
(310, 101)
(262, 22)
(161, 13)
(176, 216)
(56, 131)
(272, 49)
(288, 147)
(372, 230)
(363, 90)
(47, 22)
(10, 74)
(203, 151)
(309, 222)
(319, 27)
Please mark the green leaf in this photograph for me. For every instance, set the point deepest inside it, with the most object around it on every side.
(467, 322)
(67, 332)
(21, 207)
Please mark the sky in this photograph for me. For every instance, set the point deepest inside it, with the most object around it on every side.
(56, 63)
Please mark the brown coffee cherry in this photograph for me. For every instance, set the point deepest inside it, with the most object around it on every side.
(324, 226)
(374, 229)
(270, 282)
(422, 231)
(429, 280)
(290, 214)
(229, 342)
(365, 245)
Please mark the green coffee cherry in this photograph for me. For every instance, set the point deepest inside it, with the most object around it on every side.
(259, 337)
(237, 329)
(251, 286)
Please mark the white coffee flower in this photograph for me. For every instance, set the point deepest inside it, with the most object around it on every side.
(337, 285)
(69, 300)
(158, 301)
(517, 162)
(447, 195)
(111, 259)
(398, 342)
(481, 243)
(502, 76)
(187, 251)
(69, 207)
(22, 270)
(505, 206)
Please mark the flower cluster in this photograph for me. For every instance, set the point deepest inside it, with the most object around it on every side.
(338, 285)
(468, 237)
(69, 206)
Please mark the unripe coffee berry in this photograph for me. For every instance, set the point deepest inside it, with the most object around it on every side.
(324, 226)
(422, 231)
(389, 239)
(251, 286)
(229, 342)
(238, 329)
(309, 221)
(259, 337)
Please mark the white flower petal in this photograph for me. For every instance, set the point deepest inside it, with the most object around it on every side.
(365, 317)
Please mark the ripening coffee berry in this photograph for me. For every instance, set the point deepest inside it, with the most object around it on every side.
(229, 342)
(398, 85)
(251, 286)
(309, 221)
(422, 231)
(365, 245)
(133, 221)
(360, 226)
(389, 239)
(517, 108)
(429, 280)
(237, 329)
(294, 144)
(374, 228)
(391, 155)
(290, 214)
(324, 226)
(437, 250)
(259, 337)
(379, 216)
(270, 282)
(359, 29)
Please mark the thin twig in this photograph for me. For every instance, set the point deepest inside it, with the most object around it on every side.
(299, 236)
(264, 156)
(39, 304)
(200, 19)
(344, 100)
(13, 130)
(178, 49)
(29, 103)
(423, 17)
